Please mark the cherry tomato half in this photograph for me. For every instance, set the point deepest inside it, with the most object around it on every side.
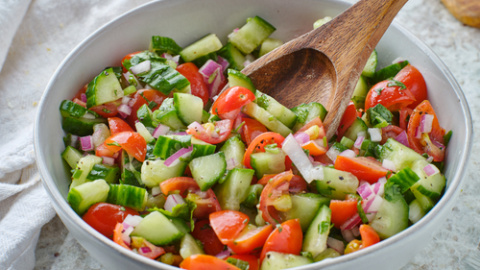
(132, 142)
(232, 99)
(414, 81)
(389, 93)
(197, 84)
(104, 216)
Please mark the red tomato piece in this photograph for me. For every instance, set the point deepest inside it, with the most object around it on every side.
(197, 84)
(228, 224)
(205, 234)
(184, 185)
(232, 99)
(390, 131)
(206, 202)
(250, 238)
(118, 125)
(141, 97)
(258, 144)
(251, 129)
(212, 133)
(364, 168)
(347, 119)
(117, 236)
(106, 110)
(430, 143)
(132, 142)
(389, 94)
(414, 81)
(79, 102)
(342, 210)
(404, 117)
(369, 235)
(286, 238)
(275, 188)
(206, 262)
(104, 216)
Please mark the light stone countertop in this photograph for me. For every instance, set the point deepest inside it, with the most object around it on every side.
(456, 244)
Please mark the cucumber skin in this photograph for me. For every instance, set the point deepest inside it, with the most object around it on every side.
(315, 241)
(148, 228)
(85, 195)
(215, 173)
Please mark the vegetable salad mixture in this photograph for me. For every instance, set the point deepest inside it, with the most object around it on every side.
(170, 168)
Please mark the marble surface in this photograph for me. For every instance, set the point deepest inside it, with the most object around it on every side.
(456, 244)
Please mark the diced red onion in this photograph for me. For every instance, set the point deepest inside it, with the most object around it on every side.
(126, 100)
(348, 153)
(358, 142)
(418, 133)
(172, 201)
(224, 254)
(302, 137)
(215, 86)
(195, 125)
(175, 158)
(336, 244)
(348, 235)
(231, 163)
(231, 34)
(209, 68)
(124, 110)
(375, 134)
(233, 114)
(141, 67)
(180, 133)
(365, 191)
(389, 165)
(83, 97)
(145, 250)
(108, 161)
(160, 131)
(372, 205)
(431, 169)
(426, 123)
(156, 191)
(351, 223)
(379, 186)
(402, 138)
(86, 143)
(223, 62)
(332, 153)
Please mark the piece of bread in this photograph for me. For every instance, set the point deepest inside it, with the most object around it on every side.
(466, 11)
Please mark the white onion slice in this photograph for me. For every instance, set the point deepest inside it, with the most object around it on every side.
(348, 153)
(336, 244)
(375, 134)
(108, 161)
(142, 67)
(426, 123)
(389, 165)
(124, 110)
(173, 200)
(295, 152)
(332, 153)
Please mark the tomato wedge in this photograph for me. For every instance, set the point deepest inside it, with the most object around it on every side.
(118, 125)
(228, 224)
(369, 235)
(431, 143)
(205, 234)
(286, 238)
(258, 144)
(132, 142)
(182, 185)
(197, 84)
(232, 99)
(151, 97)
(213, 133)
(390, 94)
(117, 236)
(251, 129)
(347, 119)
(104, 216)
(275, 188)
(414, 81)
(250, 238)
(206, 262)
(363, 168)
(342, 210)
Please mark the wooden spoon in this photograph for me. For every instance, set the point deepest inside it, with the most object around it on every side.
(324, 65)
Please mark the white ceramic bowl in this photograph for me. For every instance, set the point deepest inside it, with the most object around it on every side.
(188, 20)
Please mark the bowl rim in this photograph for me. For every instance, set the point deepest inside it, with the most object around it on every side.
(64, 210)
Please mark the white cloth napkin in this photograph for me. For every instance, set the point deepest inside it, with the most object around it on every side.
(35, 37)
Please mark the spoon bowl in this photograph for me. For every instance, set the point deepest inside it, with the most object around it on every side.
(324, 64)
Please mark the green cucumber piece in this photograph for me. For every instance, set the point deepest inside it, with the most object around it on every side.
(266, 118)
(129, 196)
(336, 184)
(237, 78)
(401, 155)
(163, 77)
(307, 112)
(251, 35)
(234, 189)
(130, 170)
(233, 56)
(77, 120)
(71, 156)
(201, 148)
(166, 146)
(357, 126)
(234, 150)
(104, 88)
(321, 21)
(207, 170)
(371, 65)
(157, 229)
(204, 46)
(415, 211)
(282, 113)
(305, 206)
(111, 174)
(388, 72)
(87, 194)
(276, 261)
(253, 196)
(391, 218)
(189, 107)
(159, 45)
(360, 92)
(269, 45)
(84, 166)
(189, 246)
(267, 163)
(430, 186)
(154, 172)
(315, 240)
